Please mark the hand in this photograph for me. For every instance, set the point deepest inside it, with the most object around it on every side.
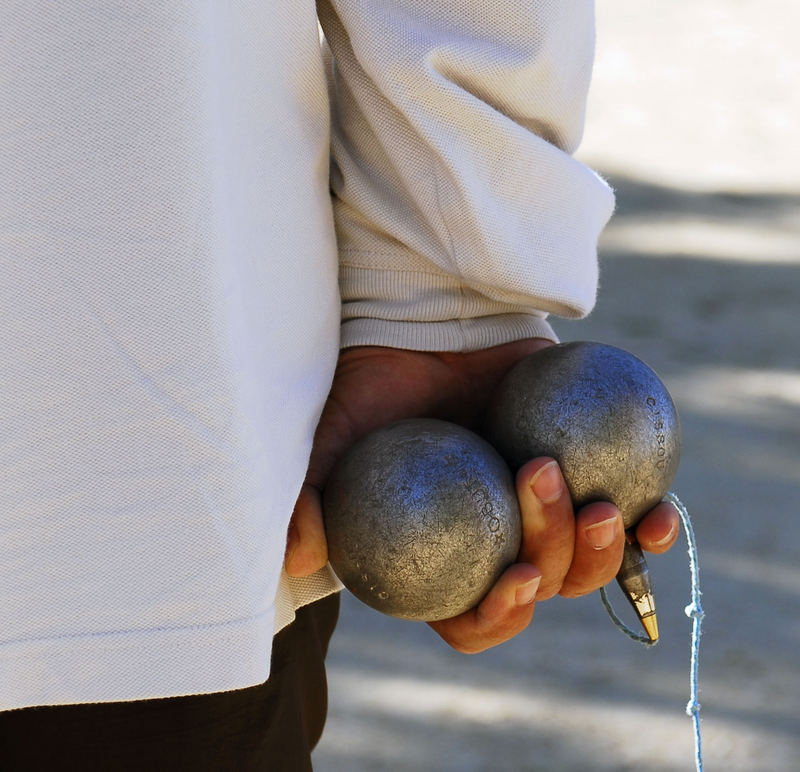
(562, 552)
(573, 554)
(374, 386)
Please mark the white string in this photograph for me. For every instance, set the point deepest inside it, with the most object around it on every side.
(695, 611)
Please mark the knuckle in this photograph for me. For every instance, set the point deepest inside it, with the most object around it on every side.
(470, 648)
(575, 592)
(548, 590)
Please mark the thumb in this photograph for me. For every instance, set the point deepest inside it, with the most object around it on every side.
(306, 546)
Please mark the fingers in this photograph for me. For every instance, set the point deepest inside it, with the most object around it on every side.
(306, 547)
(562, 553)
(576, 554)
(548, 524)
(599, 543)
(506, 611)
(657, 530)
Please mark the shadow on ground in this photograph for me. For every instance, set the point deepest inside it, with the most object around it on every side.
(571, 693)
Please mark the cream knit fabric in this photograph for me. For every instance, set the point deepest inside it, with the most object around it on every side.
(461, 216)
(169, 314)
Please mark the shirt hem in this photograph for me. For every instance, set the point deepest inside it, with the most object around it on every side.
(122, 667)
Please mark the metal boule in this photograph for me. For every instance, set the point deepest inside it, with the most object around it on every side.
(602, 413)
(421, 519)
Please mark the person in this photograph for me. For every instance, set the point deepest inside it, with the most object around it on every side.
(228, 251)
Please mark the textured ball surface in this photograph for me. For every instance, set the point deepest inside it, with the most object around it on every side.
(602, 413)
(421, 519)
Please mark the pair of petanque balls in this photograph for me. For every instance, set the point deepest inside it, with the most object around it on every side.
(422, 516)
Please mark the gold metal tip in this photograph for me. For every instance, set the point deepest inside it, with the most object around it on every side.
(634, 579)
(650, 624)
(645, 606)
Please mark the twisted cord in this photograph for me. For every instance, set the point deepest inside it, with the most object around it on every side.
(694, 611)
(632, 634)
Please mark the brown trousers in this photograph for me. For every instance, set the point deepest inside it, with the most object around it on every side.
(273, 726)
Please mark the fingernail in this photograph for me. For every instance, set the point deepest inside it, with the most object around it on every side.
(668, 537)
(547, 485)
(526, 593)
(601, 535)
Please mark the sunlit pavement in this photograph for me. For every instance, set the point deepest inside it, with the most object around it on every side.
(693, 119)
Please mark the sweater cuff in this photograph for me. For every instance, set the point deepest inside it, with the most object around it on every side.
(427, 311)
(452, 335)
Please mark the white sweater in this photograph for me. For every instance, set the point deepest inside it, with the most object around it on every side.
(169, 315)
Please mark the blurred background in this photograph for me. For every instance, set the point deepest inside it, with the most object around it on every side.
(693, 119)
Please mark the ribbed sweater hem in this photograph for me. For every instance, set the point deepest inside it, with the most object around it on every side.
(450, 335)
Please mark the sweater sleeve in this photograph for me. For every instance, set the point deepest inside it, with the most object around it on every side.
(462, 218)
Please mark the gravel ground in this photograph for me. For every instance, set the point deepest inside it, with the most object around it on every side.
(693, 120)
